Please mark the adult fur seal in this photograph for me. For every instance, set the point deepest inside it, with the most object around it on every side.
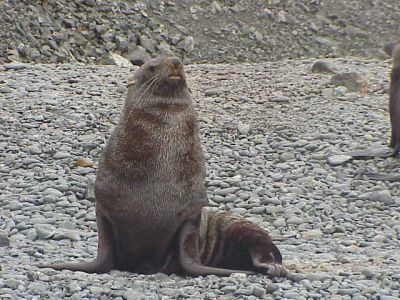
(394, 109)
(151, 196)
(394, 106)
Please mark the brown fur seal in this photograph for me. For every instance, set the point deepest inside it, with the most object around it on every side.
(223, 240)
(394, 105)
(394, 108)
(150, 191)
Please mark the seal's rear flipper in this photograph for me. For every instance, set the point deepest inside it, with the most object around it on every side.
(383, 152)
(384, 177)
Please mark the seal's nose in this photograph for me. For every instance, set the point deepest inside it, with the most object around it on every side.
(174, 61)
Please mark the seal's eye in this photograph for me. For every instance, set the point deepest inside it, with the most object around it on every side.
(152, 69)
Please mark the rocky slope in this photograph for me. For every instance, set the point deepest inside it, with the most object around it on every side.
(200, 31)
(268, 131)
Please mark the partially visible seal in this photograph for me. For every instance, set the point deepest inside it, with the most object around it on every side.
(394, 108)
(150, 191)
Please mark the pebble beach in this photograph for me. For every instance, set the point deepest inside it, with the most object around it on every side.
(273, 134)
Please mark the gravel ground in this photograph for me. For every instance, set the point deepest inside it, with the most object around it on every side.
(200, 30)
(267, 130)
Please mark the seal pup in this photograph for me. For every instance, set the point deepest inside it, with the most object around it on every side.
(394, 109)
(223, 240)
(150, 190)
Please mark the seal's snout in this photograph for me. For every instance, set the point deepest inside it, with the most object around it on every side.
(176, 72)
(175, 62)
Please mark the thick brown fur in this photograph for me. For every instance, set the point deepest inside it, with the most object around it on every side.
(150, 190)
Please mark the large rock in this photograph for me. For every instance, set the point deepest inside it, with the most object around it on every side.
(353, 81)
(139, 56)
(112, 58)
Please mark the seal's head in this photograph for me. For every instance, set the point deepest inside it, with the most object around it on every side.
(163, 75)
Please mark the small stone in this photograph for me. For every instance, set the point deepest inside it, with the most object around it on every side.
(312, 234)
(382, 196)
(239, 211)
(44, 231)
(338, 160)
(294, 220)
(348, 292)
(325, 41)
(272, 288)
(340, 91)
(74, 287)
(258, 291)
(90, 216)
(213, 92)
(69, 235)
(5, 90)
(226, 191)
(61, 155)
(379, 238)
(96, 290)
(38, 287)
(319, 276)
(52, 192)
(84, 162)
(296, 277)
(280, 222)
(187, 44)
(131, 294)
(385, 297)
(243, 128)
(321, 66)
(13, 283)
(276, 176)
(15, 66)
(368, 272)
(13, 205)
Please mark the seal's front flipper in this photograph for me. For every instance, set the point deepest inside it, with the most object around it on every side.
(96, 266)
(383, 152)
(105, 254)
(384, 177)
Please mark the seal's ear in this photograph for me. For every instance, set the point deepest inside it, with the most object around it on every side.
(132, 82)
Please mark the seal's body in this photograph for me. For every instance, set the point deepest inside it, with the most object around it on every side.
(150, 189)
(394, 100)
(394, 108)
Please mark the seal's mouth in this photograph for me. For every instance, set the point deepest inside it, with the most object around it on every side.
(175, 77)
